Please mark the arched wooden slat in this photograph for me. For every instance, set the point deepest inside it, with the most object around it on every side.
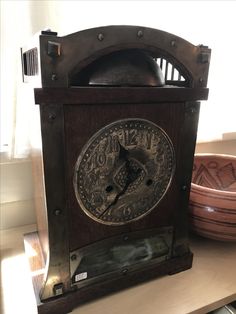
(81, 48)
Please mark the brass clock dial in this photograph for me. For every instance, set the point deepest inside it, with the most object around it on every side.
(124, 171)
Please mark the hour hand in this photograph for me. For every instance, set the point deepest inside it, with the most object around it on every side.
(123, 153)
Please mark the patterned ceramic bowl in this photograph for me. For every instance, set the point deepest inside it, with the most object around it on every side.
(213, 196)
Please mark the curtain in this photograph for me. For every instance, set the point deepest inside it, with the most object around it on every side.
(211, 23)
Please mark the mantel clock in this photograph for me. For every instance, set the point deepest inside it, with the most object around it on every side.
(119, 110)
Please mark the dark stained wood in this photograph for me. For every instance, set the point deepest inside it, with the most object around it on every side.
(117, 95)
(65, 130)
(53, 144)
(84, 47)
(185, 163)
(80, 125)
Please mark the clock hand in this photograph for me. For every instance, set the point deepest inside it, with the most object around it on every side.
(123, 153)
(122, 156)
(131, 177)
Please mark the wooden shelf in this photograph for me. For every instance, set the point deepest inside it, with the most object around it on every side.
(210, 283)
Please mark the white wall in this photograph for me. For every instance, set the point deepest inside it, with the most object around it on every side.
(16, 194)
(217, 147)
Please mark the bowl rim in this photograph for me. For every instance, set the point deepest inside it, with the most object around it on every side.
(205, 189)
(210, 190)
(227, 156)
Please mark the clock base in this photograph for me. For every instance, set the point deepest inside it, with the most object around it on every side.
(66, 303)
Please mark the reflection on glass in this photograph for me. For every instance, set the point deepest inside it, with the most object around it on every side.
(101, 260)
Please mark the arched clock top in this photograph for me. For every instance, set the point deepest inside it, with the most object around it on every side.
(182, 63)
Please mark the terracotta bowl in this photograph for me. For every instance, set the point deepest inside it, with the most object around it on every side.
(213, 197)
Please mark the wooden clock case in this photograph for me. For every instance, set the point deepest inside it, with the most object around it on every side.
(71, 114)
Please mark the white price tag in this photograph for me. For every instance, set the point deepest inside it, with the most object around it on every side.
(81, 276)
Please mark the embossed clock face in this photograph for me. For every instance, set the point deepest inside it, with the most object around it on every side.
(124, 171)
